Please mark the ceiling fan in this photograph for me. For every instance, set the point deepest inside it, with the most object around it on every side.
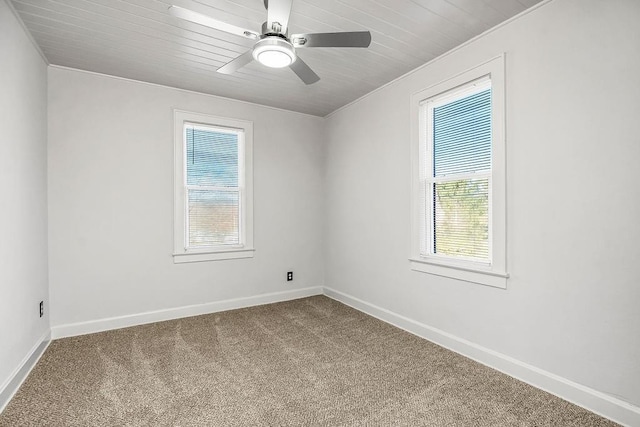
(274, 47)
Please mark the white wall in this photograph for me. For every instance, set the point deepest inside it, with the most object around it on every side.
(23, 195)
(111, 200)
(573, 204)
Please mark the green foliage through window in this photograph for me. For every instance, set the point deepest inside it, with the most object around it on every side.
(461, 220)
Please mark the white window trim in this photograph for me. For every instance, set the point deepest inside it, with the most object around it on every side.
(493, 273)
(214, 253)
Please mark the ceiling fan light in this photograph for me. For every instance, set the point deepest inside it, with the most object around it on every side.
(274, 52)
(274, 58)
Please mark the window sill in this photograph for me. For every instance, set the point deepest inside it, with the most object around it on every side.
(467, 273)
(213, 255)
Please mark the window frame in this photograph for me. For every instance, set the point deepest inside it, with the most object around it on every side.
(494, 272)
(181, 252)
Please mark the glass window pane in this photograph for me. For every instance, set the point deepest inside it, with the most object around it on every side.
(211, 157)
(461, 220)
(462, 135)
(213, 218)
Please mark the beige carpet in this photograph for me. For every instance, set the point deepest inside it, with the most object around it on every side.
(309, 362)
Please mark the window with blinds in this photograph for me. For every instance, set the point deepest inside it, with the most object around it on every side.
(457, 173)
(213, 186)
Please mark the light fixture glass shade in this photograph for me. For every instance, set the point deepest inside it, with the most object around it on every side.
(274, 52)
(274, 58)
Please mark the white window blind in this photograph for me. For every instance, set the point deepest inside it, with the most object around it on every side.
(457, 171)
(213, 185)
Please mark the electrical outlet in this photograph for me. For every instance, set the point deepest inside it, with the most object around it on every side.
(289, 276)
(41, 308)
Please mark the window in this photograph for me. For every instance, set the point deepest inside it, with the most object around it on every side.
(213, 211)
(458, 171)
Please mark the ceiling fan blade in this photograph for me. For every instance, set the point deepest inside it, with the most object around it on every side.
(303, 71)
(278, 14)
(237, 63)
(344, 39)
(207, 21)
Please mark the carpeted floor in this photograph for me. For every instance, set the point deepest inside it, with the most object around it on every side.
(309, 362)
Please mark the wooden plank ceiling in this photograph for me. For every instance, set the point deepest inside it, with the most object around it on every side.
(138, 39)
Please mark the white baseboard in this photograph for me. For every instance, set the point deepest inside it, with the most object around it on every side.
(605, 405)
(100, 325)
(15, 380)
